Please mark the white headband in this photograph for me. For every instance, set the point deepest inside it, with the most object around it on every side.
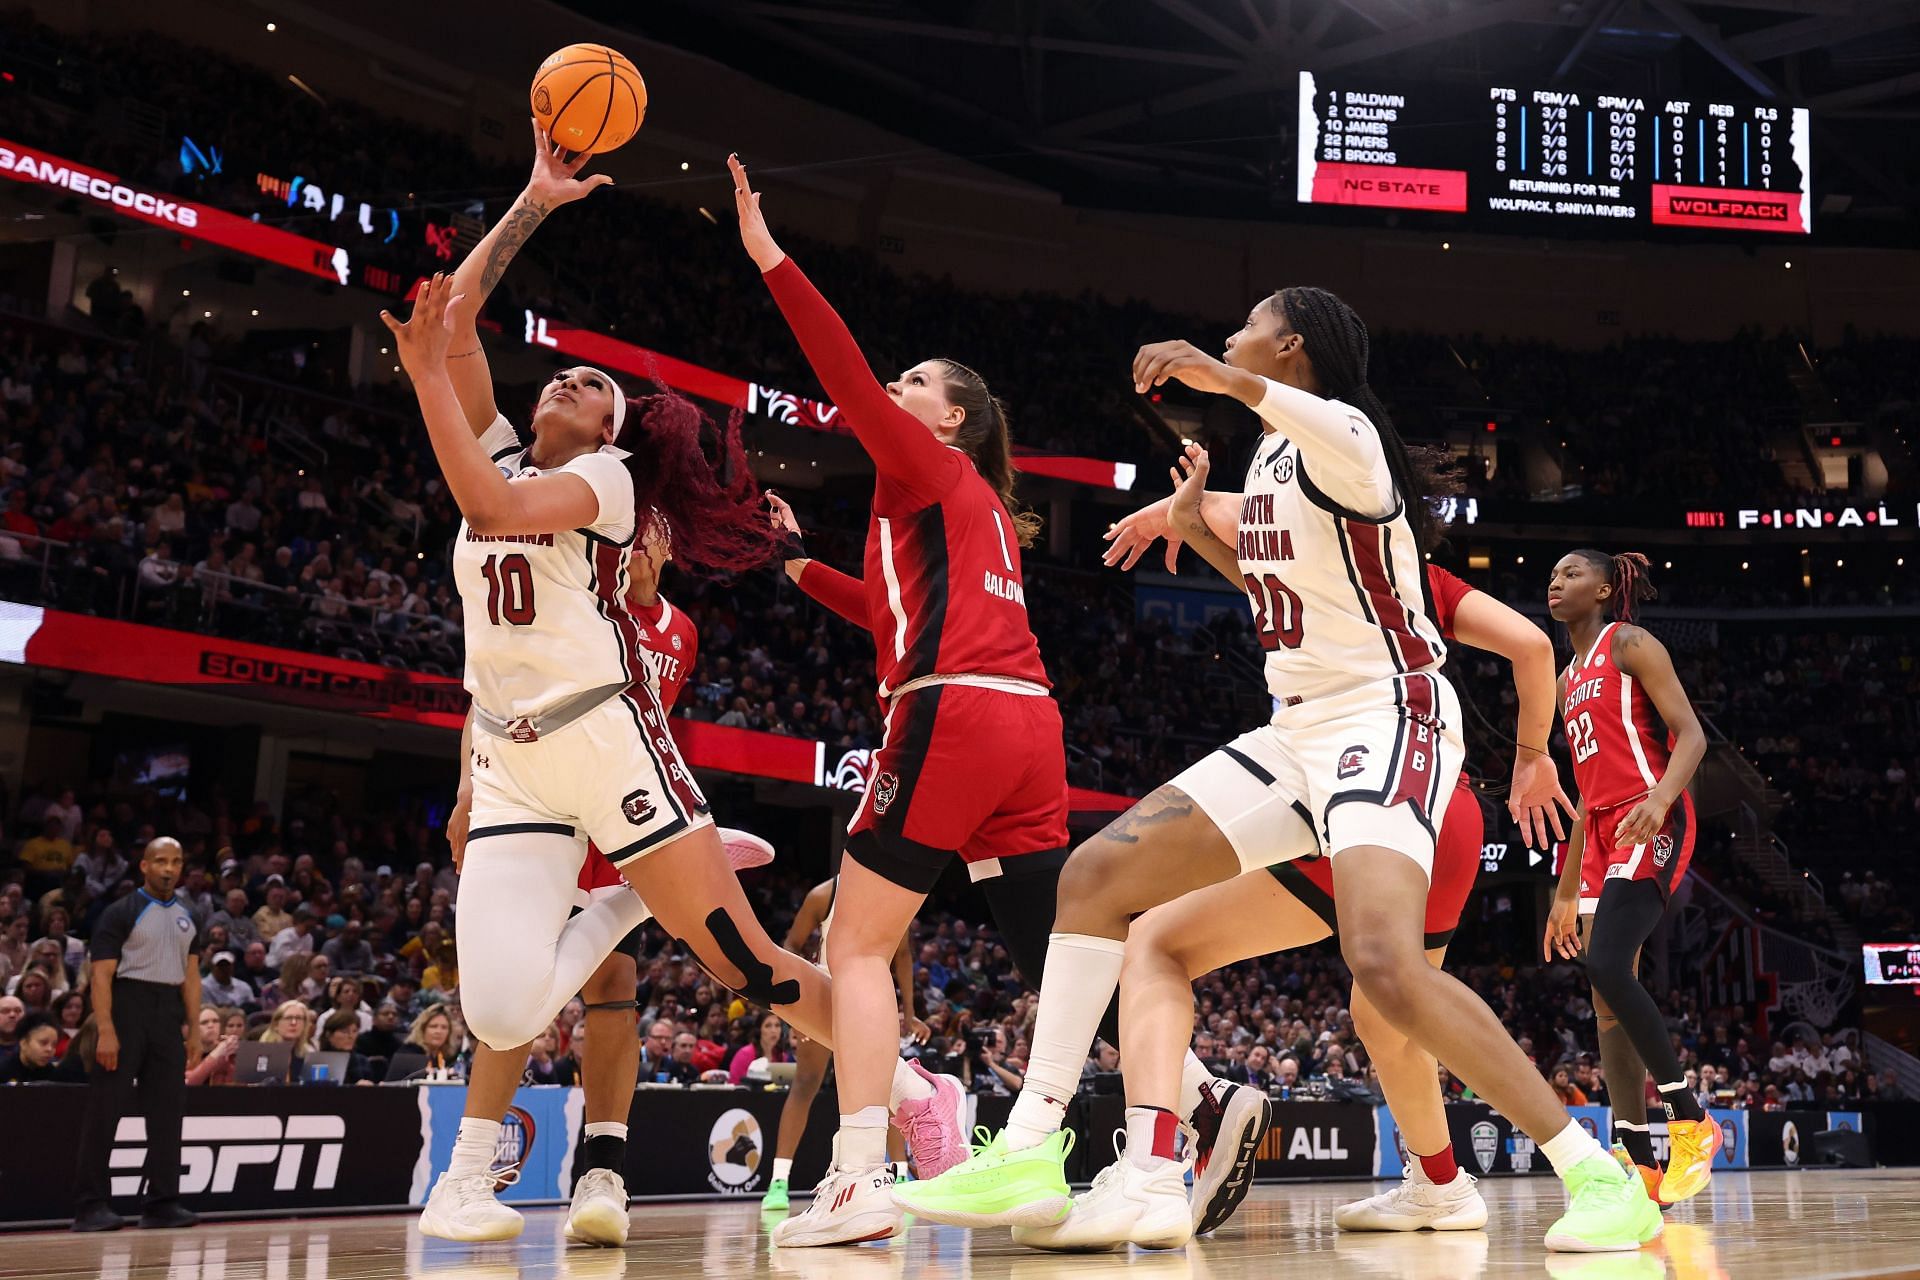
(619, 400)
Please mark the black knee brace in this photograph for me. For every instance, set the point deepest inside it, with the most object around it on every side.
(614, 1004)
(756, 975)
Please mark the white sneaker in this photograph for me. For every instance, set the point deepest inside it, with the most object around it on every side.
(1418, 1203)
(1126, 1205)
(850, 1206)
(599, 1212)
(465, 1208)
(1228, 1124)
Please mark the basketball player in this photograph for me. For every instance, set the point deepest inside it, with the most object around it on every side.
(1258, 913)
(576, 745)
(974, 756)
(1358, 764)
(810, 1058)
(1632, 841)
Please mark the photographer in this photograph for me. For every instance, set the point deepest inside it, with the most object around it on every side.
(985, 1069)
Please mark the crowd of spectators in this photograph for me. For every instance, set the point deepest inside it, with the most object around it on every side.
(335, 931)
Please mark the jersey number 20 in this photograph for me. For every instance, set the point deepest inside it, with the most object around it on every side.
(1276, 612)
(1580, 736)
(509, 589)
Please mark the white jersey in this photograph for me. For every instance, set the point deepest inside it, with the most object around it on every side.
(1327, 555)
(546, 614)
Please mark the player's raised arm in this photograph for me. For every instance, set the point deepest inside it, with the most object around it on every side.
(490, 502)
(902, 447)
(841, 592)
(1486, 623)
(552, 184)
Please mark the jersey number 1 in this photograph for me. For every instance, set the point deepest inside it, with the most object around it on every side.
(1276, 612)
(509, 589)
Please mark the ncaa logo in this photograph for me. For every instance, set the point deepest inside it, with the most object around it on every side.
(1790, 1143)
(1486, 1141)
(885, 788)
(1587, 1123)
(1729, 1142)
(1352, 761)
(1662, 849)
(637, 806)
(511, 1148)
(734, 1148)
(678, 644)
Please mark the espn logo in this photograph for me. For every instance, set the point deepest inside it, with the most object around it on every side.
(214, 1149)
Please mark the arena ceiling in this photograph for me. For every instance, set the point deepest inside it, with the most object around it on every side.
(1154, 103)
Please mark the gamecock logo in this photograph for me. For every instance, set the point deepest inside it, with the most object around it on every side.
(637, 806)
(1352, 761)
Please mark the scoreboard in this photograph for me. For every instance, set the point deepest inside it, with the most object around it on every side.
(1505, 153)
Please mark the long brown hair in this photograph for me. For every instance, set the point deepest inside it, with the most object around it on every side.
(984, 435)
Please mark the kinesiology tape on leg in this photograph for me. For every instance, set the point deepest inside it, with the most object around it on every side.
(756, 975)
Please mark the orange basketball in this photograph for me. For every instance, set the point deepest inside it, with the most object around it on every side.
(589, 98)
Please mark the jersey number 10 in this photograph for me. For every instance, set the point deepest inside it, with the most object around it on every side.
(1276, 612)
(509, 589)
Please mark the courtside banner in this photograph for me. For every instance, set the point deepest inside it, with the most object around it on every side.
(1318, 1140)
(532, 1158)
(203, 222)
(282, 1150)
(770, 402)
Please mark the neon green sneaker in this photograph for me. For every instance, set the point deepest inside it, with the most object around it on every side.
(997, 1186)
(775, 1201)
(1609, 1213)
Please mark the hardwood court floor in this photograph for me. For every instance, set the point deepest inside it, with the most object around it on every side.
(1811, 1225)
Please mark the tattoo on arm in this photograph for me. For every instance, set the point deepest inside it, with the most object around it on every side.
(520, 225)
(462, 355)
(1165, 805)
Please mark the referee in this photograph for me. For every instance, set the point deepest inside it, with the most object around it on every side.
(146, 1004)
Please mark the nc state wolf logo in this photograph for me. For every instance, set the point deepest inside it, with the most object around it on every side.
(1662, 850)
(1352, 761)
(885, 788)
(637, 806)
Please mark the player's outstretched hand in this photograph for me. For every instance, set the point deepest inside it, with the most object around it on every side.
(1180, 360)
(754, 235)
(1532, 797)
(1189, 485)
(555, 180)
(783, 517)
(422, 341)
(1130, 536)
(1563, 929)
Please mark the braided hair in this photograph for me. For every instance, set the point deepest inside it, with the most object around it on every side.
(1336, 341)
(1628, 574)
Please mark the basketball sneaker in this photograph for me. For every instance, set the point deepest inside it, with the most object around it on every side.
(850, 1206)
(1649, 1178)
(1227, 1126)
(1127, 1204)
(1691, 1147)
(1609, 1212)
(464, 1208)
(935, 1128)
(775, 1201)
(599, 1214)
(997, 1186)
(1418, 1203)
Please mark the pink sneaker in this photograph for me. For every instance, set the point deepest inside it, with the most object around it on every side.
(935, 1128)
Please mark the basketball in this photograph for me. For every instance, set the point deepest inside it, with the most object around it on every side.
(589, 98)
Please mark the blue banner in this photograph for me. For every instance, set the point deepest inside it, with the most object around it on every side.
(1184, 608)
(1486, 1143)
(537, 1140)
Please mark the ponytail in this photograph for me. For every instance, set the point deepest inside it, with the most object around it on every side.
(1336, 341)
(1627, 573)
(692, 475)
(986, 437)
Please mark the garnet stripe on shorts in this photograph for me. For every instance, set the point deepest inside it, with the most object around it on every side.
(606, 559)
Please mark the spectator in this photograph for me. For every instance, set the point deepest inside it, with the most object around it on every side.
(253, 969)
(69, 1012)
(292, 1023)
(1104, 1060)
(679, 1069)
(35, 989)
(350, 952)
(1570, 1093)
(273, 918)
(35, 1061)
(13, 946)
(769, 1044)
(49, 854)
(103, 864)
(72, 951)
(12, 1010)
(383, 1038)
(656, 1051)
(294, 940)
(545, 1063)
(234, 917)
(338, 1034)
(292, 982)
(432, 1034)
(220, 988)
(443, 975)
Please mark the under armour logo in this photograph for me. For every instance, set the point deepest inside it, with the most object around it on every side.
(480, 761)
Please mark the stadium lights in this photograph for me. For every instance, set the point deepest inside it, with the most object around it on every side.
(684, 166)
(256, 311)
(1446, 245)
(272, 27)
(1519, 559)
(186, 293)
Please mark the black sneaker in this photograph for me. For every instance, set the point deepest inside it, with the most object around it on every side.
(97, 1217)
(168, 1213)
(1230, 1121)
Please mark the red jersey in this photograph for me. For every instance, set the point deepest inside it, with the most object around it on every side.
(1618, 754)
(942, 592)
(668, 643)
